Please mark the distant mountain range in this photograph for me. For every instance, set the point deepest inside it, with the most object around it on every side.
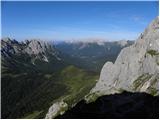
(92, 54)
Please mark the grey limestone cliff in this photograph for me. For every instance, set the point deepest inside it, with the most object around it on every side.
(135, 69)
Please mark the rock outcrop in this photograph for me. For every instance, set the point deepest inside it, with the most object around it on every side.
(135, 69)
(57, 108)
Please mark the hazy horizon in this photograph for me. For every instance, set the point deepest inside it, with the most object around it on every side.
(61, 21)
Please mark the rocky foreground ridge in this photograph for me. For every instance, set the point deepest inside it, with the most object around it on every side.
(135, 69)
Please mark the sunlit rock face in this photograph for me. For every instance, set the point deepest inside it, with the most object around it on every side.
(57, 108)
(135, 69)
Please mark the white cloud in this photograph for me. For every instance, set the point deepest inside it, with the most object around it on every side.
(138, 19)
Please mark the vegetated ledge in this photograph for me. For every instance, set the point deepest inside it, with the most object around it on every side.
(153, 52)
(117, 106)
(141, 80)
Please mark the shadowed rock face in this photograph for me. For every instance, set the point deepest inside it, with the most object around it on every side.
(124, 105)
(136, 67)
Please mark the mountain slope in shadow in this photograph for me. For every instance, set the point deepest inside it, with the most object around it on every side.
(117, 106)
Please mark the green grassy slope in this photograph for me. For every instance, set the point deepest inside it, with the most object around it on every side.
(78, 82)
(30, 94)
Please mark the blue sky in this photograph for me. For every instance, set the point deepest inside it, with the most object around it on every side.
(76, 20)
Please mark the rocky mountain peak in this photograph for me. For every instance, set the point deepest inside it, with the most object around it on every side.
(35, 48)
(38, 47)
(9, 47)
(149, 39)
(7, 40)
(135, 69)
